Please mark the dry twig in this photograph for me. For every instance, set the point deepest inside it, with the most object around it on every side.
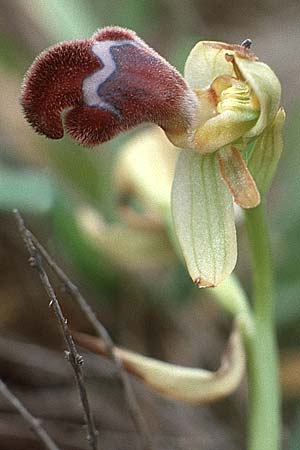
(133, 407)
(35, 248)
(33, 422)
(72, 354)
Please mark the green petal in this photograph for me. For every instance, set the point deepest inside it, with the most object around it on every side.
(267, 88)
(202, 209)
(222, 130)
(185, 384)
(204, 63)
(266, 153)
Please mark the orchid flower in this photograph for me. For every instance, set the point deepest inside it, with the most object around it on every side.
(228, 102)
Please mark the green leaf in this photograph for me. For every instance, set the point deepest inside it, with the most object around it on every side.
(202, 209)
(186, 384)
(25, 190)
(266, 153)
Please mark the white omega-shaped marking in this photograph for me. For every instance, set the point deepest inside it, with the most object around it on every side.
(92, 83)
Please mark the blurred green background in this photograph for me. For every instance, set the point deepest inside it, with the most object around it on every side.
(69, 195)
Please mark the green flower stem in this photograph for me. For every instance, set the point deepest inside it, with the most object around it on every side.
(264, 392)
(232, 298)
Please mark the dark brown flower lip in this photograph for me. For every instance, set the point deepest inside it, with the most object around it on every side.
(104, 85)
(242, 51)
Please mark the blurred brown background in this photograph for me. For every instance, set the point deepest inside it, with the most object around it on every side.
(150, 306)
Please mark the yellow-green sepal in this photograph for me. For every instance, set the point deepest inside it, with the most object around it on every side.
(202, 210)
(204, 63)
(266, 153)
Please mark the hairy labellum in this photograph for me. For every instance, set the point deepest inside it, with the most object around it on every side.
(107, 84)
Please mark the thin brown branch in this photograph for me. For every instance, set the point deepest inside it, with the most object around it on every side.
(133, 407)
(72, 354)
(33, 422)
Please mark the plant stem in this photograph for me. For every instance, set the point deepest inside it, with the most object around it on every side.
(264, 392)
(232, 298)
